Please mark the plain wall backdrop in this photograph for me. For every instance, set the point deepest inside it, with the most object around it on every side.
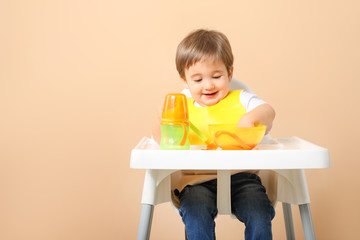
(81, 81)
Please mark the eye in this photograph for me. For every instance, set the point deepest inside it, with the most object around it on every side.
(198, 80)
(216, 77)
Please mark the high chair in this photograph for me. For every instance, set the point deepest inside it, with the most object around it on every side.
(280, 161)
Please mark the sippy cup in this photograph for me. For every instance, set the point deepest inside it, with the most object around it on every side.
(175, 123)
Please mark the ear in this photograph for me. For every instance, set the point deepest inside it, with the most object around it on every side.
(231, 71)
(185, 82)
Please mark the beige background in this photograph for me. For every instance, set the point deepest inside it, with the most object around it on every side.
(80, 82)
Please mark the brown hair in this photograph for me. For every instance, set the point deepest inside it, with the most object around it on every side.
(203, 43)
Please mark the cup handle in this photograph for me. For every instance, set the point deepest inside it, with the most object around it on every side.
(183, 140)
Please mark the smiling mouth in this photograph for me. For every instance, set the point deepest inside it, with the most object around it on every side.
(210, 94)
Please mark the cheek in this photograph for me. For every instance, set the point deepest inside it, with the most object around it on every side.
(195, 92)
(225, 85)
(195, 88)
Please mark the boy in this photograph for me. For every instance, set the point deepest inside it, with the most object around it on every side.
(204, 61)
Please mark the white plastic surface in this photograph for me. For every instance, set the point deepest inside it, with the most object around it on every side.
(287, 153)
(287, 157)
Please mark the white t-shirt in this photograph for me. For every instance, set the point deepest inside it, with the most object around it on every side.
(248, 100)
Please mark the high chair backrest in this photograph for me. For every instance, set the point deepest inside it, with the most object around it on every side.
(237, 84)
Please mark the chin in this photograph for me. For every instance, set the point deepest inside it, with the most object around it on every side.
(211, 103)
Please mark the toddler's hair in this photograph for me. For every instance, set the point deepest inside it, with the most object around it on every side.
(201, 44)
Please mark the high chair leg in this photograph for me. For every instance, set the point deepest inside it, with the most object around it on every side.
(145, 222)
(224, 191)
(307, 221)
(289, 225)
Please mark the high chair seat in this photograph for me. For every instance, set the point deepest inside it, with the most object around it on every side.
(280, 161)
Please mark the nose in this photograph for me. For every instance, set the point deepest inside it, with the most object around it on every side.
(209, 84)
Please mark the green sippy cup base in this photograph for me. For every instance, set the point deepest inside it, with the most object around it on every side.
(171, 137)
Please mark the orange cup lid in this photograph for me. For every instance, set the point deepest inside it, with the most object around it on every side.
(175, 108)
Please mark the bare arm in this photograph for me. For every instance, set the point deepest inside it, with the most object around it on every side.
(263, 114)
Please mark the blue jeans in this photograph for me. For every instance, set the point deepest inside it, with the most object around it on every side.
(249, 203)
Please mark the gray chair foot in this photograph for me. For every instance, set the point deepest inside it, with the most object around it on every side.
(145, 222)
(289, 224)
(307, 223)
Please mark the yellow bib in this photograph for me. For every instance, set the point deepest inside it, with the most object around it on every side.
(229, 110)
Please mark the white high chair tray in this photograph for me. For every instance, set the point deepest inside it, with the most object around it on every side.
(280, 153)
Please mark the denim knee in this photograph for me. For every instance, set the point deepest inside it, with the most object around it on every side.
(251, 205)
(198, 210)
(197, 200)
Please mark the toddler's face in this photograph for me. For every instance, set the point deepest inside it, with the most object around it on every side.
(208, 81)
